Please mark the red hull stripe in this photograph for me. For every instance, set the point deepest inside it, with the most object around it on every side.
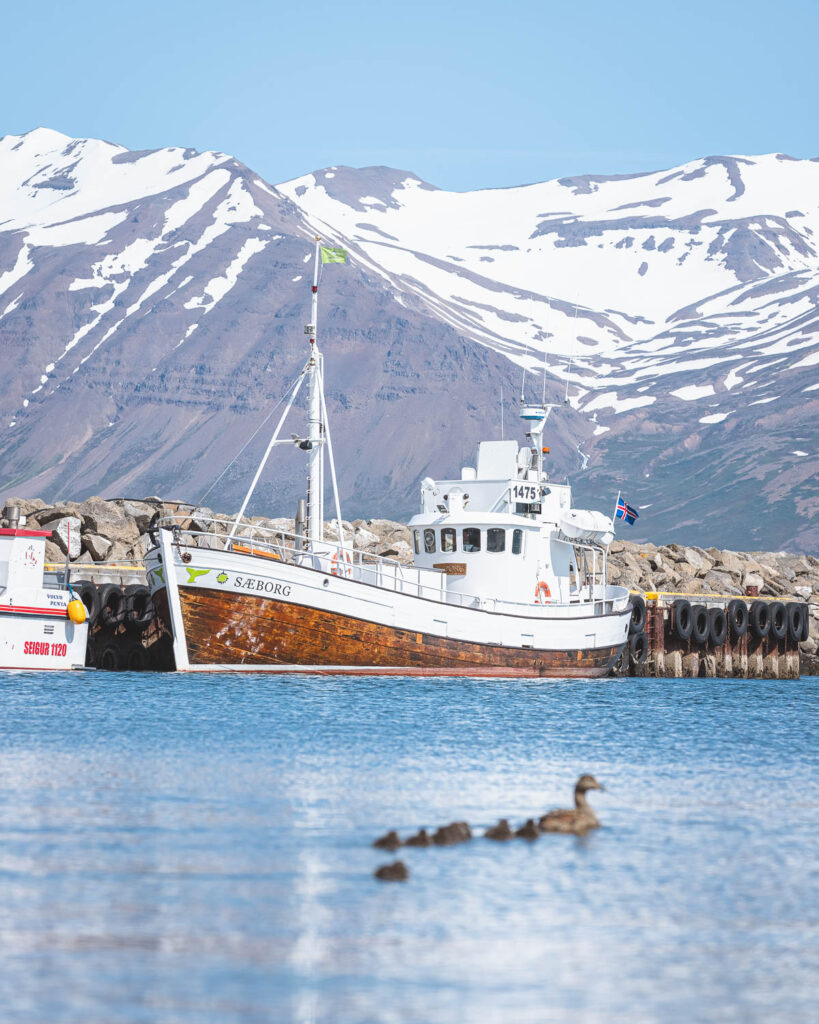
(25, 533)
(22, 609)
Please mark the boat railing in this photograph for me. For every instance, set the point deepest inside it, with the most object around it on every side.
(343, 560)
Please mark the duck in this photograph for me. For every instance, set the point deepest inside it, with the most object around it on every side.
(579, 820)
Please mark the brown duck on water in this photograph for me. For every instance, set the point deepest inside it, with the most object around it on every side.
(579, 820)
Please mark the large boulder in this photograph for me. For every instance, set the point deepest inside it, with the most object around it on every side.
(141, 512)
(729, 561)
(97, 546)
(364, 539)
(398, 550)
(66, 534)
(698, 560)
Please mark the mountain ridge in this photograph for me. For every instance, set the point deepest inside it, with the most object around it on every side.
(156, 292)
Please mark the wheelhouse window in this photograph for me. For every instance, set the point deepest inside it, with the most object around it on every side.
(496, 540)
(447, 539)
(429, 542)
(416, 541)
(472, 539)
(517, 542)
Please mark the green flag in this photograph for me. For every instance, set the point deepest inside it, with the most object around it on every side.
(329, 254)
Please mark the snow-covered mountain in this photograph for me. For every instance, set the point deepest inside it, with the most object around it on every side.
(151, 306)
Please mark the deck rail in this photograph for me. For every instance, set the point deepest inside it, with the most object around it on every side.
(343, 560)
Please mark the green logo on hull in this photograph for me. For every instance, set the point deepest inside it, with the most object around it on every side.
(194, 574)
(222, 577)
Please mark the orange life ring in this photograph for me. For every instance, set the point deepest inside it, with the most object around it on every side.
(542, 593)
(342, 564)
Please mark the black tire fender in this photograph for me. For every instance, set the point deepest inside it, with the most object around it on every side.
(638, 614)
(139, 606)
(737, 612)
(152, 531)
(638, 648)
(701, 625)
(136, 658)
(760, 619)
(112, 605)
(87, 592)
(682, 621)
(717, 626)
(795, 615)
(779, 620)
(805, 622)
(108, 658)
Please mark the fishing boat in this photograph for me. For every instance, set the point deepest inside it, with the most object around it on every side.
(42, 624)
(507, 579)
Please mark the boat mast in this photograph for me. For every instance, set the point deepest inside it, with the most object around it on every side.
(315, 509)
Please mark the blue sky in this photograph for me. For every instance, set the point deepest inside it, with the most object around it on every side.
(465, 94)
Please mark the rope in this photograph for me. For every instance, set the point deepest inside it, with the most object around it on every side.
(239, 454)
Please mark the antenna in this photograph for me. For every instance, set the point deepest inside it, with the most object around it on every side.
(523, 386)
(544, 375)
(501, 409)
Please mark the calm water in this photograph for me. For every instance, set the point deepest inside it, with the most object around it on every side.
(197, 849)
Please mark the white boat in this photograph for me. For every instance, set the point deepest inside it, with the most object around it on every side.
(36, 628)
(507, 578)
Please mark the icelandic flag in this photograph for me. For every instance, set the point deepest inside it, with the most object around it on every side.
(625, 511)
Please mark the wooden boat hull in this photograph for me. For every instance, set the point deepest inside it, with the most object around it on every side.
(225, 630)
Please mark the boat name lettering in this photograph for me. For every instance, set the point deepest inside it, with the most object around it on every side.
(262, 586)
(43, 649)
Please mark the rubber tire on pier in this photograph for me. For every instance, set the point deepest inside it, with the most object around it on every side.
(701, 625)
(805, 622)
(737, 612)
(108, 658)
(139, 606)
(136, 658)
(795, 616)
(638, 614)
(90, 653)
(638, 648)
(717, 626)
(779, 620)
(112, 605)
(760, 619)
(620, 666)
(682, 621)
(88, 594)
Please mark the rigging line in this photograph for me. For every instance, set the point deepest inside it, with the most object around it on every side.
(238, 455)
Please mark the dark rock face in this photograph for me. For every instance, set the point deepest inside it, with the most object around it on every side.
(396, 872)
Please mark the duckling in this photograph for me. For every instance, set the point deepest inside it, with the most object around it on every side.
(581, 819)
(390, 841)
(395, 872)
(500, 831)
(528, 831)
(422, 838)
(455, 832)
